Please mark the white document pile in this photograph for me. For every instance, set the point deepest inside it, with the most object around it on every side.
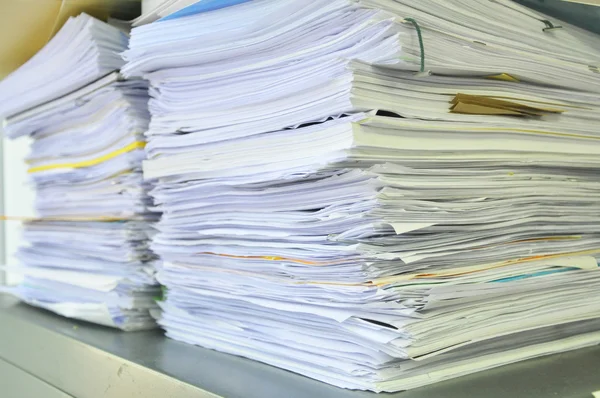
(329, 211)
(87, 254)
(84, 50)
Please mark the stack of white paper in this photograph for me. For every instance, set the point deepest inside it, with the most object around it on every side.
(328, 211)
(87, 255)
(84, 50)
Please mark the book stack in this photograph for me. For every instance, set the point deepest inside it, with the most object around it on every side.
(377, 194)
(86, 254)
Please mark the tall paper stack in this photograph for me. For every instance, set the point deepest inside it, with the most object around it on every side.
(87, 254)
(331, 209)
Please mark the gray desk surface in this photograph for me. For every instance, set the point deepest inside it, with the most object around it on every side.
(83, 360)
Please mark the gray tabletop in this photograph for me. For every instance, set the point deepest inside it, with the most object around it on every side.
(83, 360)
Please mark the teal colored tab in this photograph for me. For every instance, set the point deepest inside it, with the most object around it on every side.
(535, 274)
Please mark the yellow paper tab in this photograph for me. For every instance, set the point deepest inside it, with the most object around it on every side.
(91, 162)
(487, 105)
(505, 77)
(69, 219)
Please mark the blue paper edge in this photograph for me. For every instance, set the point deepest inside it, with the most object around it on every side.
(202, 6)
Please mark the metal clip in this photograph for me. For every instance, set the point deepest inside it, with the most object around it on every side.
(549, 25)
